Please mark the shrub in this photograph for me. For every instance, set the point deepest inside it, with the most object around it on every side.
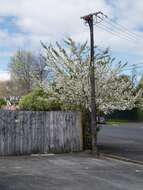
(38, 100)
(2, 102)
(71, 107)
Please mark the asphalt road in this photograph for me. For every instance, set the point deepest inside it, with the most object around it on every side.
(122, 140)
(69, 172)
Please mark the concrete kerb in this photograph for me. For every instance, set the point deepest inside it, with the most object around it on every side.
(121, 158)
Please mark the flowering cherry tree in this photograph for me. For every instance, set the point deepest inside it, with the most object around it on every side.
(69, 66)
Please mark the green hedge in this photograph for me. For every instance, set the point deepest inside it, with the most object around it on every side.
(2, 102)
(129, 115)
(38, 100)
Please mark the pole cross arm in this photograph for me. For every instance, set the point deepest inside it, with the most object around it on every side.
(97, 15)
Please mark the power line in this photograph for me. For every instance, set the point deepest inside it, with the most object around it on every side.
(134, 65)
(126, 69)
(122, 27)
(121, 32)
(119, 26)
(107, 29)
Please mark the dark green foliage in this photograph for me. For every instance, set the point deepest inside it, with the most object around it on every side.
(135, 114)
(72, 107)
(2, 102)
(38, 100)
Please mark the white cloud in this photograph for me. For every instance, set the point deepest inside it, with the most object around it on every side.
(50, 20)
(4, 75)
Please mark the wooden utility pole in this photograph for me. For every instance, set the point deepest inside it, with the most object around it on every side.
(89, 19)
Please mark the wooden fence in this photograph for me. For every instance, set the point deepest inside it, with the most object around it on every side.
(27, 132)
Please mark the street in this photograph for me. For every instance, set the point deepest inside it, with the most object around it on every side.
(69, 172)
(122, 140)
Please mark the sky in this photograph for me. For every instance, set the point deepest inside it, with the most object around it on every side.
(24, 23)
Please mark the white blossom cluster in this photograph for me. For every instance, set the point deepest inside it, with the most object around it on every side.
(70, 78)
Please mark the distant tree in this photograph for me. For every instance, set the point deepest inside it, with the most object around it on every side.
(2, 89)
(27, 71)
(5, 88)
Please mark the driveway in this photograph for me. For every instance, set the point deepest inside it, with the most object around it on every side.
(122, 140)
(69, 172)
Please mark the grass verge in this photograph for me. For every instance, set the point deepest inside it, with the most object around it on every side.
(116, 122)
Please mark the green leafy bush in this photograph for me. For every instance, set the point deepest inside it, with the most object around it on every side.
(71, 107)
(38, 100)
(2, 102)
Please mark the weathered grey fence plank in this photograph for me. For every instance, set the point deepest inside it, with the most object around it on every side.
(28, 132)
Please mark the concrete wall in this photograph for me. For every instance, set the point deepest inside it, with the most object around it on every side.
(27, 132)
